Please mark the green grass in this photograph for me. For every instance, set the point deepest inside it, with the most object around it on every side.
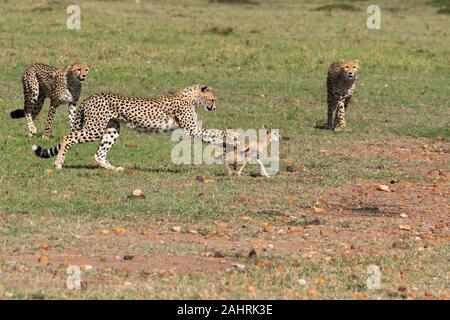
(267, 61)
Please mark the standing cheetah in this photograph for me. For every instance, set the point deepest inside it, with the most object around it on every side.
(61, 86)
(341, 82)
(101, 115)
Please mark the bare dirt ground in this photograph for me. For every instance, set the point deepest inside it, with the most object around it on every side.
(347, 222)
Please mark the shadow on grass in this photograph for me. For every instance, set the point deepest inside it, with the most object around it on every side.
(251, 2)
(221, 31)
(443, 5)
(321, 125)
(76, 166)
(337, 6)
(155, 169)
(374, 210)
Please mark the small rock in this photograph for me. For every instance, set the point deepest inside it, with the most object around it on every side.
(236, 266)
(383, 187)
(45, 246)
(403, 215)
(86, 267)
(402, 289)
(290, 169)
(138, 193)
(267, 227)
(302, 282)
(128, 257)
(319, 210)
(43, 260)
(252, 254)
(404, 227)
(176, 229)
(83, 284)
(400, 245)
(218, 254)
(312, 293)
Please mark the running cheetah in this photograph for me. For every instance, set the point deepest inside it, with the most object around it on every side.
(341, 82)
(101, 115)
(61, 86)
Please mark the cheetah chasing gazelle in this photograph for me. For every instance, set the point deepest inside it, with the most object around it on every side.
(101, 114)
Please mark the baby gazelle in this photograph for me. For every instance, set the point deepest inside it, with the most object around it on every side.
(251, 150)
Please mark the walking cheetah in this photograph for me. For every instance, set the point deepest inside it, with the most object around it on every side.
(101, 115)
(61, 86)
(341, 82)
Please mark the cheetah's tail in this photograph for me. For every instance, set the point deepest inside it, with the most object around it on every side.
(16, 114)
(45, 153)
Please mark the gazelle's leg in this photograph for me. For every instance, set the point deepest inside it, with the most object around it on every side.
(243, 165)
(263, 169)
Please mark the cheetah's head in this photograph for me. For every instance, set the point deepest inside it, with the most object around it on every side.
(350, 69)
(79, 71)
(201, 95)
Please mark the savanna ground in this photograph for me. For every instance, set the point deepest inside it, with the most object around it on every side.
(315, 227)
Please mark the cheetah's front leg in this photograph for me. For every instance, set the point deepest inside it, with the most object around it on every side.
(331, 101)
(340, 115)
(74, 119)
(30, 123)
(50, 118)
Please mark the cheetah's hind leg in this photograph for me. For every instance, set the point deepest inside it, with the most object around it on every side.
(109, 137)
(31, 97)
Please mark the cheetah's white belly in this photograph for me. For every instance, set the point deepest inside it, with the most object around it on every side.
(66, 96)
(168, 125)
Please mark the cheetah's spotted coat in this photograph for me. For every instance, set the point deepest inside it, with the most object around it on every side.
(101, 115)
(341, 82)
(61, 86)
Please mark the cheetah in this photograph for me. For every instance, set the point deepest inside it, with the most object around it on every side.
(251, 150)
(101, 115)
(61, 86)
(341, 82)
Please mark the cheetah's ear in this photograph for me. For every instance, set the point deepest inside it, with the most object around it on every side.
(205, 88)
(358, 63)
